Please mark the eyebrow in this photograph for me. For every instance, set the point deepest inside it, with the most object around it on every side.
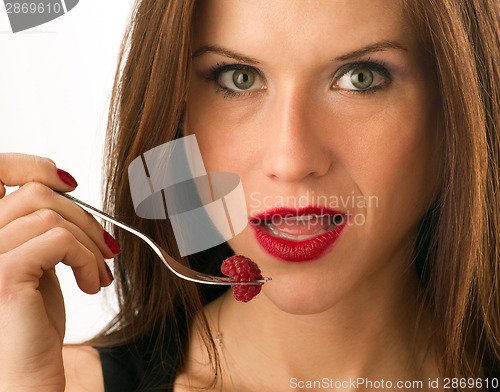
(224, 52)
(376, 47)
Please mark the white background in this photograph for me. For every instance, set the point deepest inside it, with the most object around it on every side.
(55, 85)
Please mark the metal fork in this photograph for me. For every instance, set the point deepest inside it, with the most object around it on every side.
(173, 265)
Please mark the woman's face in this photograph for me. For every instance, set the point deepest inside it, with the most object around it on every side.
(324, 108)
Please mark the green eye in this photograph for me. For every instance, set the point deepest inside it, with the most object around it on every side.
(239, 78)
(243, 79)
(362, 78)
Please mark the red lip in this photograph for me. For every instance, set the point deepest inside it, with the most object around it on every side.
(291, 250)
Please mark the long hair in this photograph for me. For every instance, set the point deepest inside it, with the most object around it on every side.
(459, 239)
(145, 111)
(458, 248)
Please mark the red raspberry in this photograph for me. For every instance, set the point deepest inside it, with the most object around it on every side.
(242, 269)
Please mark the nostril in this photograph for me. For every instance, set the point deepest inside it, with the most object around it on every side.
(294, 171)
(297, 154)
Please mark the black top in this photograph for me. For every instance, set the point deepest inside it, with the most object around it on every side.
(136, 367)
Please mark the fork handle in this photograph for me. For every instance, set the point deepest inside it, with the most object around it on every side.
(100, 214)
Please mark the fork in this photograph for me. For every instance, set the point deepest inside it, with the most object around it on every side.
(173, 265)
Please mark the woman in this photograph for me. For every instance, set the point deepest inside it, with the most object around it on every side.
(311, 104)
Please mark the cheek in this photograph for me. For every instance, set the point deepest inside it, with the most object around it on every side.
(396, 164)
(200, 120)
(225, 132)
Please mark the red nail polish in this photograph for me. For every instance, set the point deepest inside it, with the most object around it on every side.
(111, 242)
(110, 274)
(67, 178)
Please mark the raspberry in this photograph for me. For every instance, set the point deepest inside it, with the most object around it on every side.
(242, 269)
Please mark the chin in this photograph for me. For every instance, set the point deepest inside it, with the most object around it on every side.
(300, 295)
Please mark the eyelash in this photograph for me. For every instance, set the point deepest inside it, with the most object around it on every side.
(373, 65)
(216, 71)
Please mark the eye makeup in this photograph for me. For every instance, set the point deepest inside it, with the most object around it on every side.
(216, 73)
(377, 66)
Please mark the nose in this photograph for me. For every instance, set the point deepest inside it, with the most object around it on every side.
(297, 142)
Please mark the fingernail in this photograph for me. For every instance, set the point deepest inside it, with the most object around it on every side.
(111, 242)
(108, 270)
(67, 178)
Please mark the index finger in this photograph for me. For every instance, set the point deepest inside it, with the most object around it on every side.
(18, 169)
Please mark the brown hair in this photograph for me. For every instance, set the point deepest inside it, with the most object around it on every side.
(145, 111)
(458, 249)
(459, 243)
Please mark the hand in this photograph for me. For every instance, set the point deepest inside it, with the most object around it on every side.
(39, 229)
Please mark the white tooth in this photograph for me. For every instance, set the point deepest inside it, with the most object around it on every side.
(273, 229)
(290, 236)
(304, 217)
(296, 237)
(294, 218)
(305, 237)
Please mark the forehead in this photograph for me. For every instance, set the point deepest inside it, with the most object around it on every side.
(285, 27)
